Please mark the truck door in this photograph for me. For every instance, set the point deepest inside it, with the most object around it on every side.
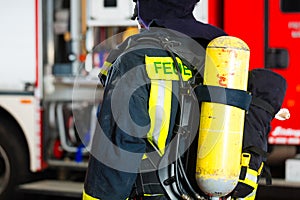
(282, 43)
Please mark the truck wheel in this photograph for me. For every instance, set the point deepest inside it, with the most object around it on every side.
(13, 160)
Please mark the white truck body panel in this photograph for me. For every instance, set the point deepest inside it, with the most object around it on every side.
(17, 49)
(118, 15)
(19, 65)
(24, 110)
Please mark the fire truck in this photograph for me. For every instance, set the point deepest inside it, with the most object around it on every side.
(271, 28)
(49, 91)
(47, 49)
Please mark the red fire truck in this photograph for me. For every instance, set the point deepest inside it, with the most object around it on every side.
(271, 28)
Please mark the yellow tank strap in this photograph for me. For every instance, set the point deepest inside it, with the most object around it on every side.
(85, 196)
(245, 159)
(160, 113)
(251, 175)
(252, 195)
(260, 168)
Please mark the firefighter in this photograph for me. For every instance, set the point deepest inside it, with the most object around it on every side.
(133, 101)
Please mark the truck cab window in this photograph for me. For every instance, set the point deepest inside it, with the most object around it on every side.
(290, 6)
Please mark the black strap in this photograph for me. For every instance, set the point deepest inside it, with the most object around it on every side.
(267, 174)
(228, 96)
(146, 183)
(258, 102)
(136, 191)
(243, 173)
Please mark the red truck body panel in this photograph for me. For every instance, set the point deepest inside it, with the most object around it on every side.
(268, 25)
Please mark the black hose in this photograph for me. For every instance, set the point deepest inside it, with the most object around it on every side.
(178, 162)
(176, 170)
(195, 194)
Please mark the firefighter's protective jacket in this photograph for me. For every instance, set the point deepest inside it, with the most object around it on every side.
(139, 110)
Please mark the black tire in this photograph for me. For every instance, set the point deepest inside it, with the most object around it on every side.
(14, 166)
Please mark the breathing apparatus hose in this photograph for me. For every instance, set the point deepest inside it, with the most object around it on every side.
(176, 170)
(179, 168)
(197, 196)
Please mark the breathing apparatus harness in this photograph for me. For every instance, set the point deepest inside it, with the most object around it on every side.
(174, 178)
(186, 103)
(189, 92)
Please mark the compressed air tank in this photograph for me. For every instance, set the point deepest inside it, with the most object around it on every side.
(221, 126)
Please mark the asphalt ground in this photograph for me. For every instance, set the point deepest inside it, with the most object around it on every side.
(279, 190)
(264, 193)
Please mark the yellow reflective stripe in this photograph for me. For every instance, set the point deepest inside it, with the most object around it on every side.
(252, 172)
(85, 196)
(105, 67)
(167, 114)
(152, 110)
(159, 112)
(251, 178)
(162, 68)
(152, 195)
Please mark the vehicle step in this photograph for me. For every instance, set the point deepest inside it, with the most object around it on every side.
(53, 187)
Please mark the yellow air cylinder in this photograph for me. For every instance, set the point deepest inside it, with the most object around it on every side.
(221, 126)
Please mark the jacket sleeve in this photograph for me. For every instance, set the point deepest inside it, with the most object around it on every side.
(119, 140)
